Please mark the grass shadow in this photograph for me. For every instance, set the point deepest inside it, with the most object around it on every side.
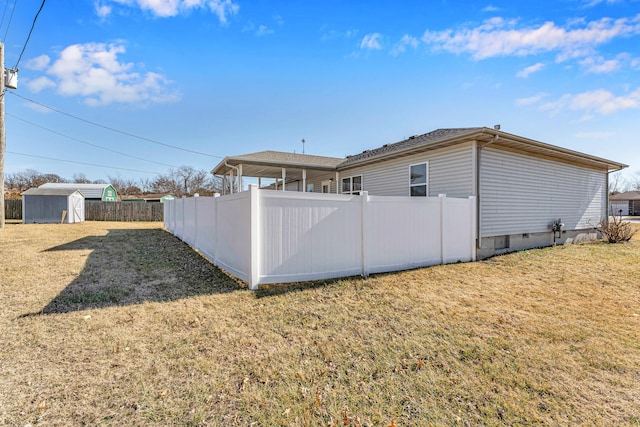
(133, 266)
(278, 289)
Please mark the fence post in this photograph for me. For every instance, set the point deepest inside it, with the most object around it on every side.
(473, 219)
(364, 227)
(254, 208)
(442, 198)
(215, 228)
(196, 197)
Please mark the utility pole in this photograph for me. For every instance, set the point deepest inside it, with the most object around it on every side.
(3, 141)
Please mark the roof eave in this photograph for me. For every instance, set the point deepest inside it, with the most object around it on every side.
(223, 166)
(450, 140)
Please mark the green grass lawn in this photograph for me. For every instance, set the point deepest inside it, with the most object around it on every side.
(123, 324)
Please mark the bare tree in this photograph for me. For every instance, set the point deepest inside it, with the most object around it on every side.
(634, 182)
(80, 178)
(30, 178)
(616, 183)
(124, 186)
(185, 181)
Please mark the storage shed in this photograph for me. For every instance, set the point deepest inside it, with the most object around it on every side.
(99, 192)
(52, 205)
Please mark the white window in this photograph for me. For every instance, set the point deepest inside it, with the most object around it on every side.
(310, 188)
(418, 180)
(352, 185)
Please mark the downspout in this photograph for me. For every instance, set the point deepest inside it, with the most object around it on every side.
(496, 137)
(231, 181)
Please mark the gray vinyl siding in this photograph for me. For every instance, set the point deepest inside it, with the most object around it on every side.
(316, 181)
(450, 170)
(525, 194)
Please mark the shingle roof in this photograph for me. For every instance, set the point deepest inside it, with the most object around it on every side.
(629, 195)
(414, 141)
(50, 192)
(90, 191)
(290, 158)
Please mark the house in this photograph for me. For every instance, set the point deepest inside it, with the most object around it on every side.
(96, 192)
(147, 198)
(522, 186)
(627, 203)
(52, 205)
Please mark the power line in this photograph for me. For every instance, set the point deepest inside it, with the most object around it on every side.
(113, 129)
(4, 12)
(30, 31)
(81, 163)
(13, 9)
(89, 143)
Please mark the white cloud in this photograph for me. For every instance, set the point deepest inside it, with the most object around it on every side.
(327, 33)
(599, 65)
(39, 84)
(401, 47)
(102, 10)
(500, 37)
(371, 42)
(530, 100)
(490, 8)
(593, 3)
(38, 63)
(604, 102)
(93, 72)
(263, 30)
(527, 71)
(167, 8)
(598, 101)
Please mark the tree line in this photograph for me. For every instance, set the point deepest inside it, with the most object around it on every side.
(618, 183)
(183, 181)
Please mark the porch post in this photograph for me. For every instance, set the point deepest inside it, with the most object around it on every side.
(337, 183)
(230, 181)
(304, 180)
(284, 179)
(240, 178)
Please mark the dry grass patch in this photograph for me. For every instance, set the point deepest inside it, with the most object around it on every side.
(122, 324)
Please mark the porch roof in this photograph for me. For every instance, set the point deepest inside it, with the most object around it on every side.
(269, 164)
(629, 195)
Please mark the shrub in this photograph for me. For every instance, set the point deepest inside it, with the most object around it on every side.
(614, 230)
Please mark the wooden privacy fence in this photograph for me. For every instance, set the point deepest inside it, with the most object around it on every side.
(263, 236)
(13, 209)
(103, 211)
(123, 211)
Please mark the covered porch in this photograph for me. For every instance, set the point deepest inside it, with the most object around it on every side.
(276, 170)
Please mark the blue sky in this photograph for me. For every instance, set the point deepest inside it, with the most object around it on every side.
(225, 77)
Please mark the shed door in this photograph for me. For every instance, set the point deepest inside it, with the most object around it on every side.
(76, 210)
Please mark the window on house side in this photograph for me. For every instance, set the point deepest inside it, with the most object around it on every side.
(418, 180)
(352, 185)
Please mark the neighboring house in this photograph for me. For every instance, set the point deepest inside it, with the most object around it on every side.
(522, 185)
(52, 205)
(147, 198)
(98, 192)
(627, 203)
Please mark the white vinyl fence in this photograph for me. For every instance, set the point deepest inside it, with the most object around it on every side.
(263, 236)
